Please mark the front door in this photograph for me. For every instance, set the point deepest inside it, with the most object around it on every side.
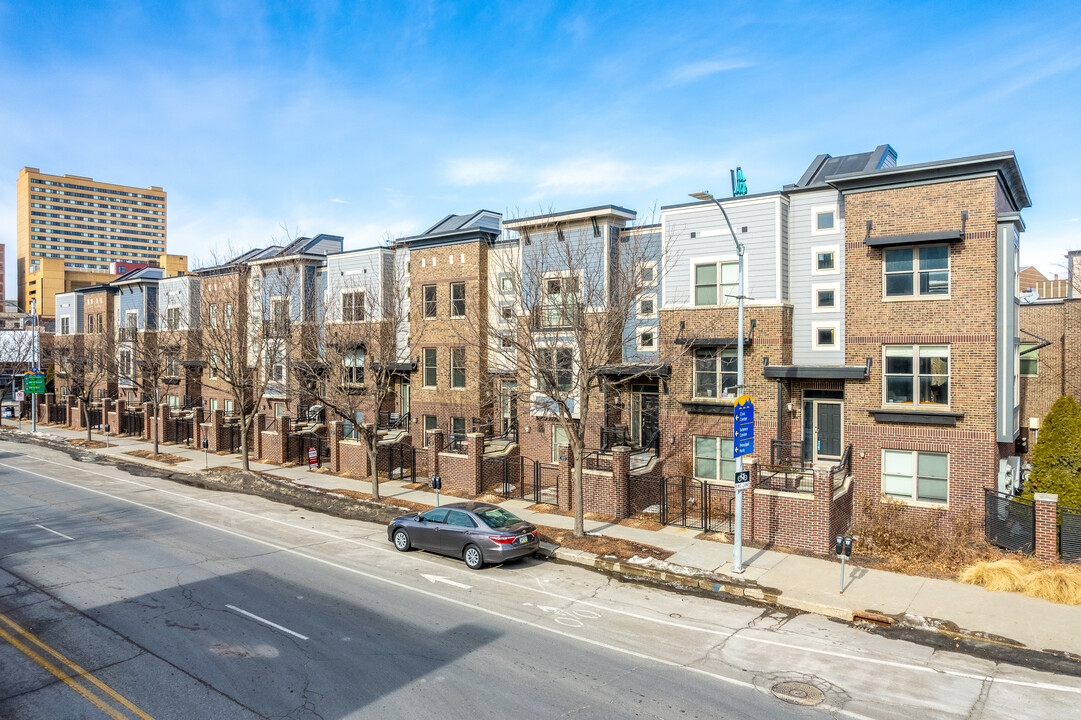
(508, 403)
(405, 398)
(645, 415)
(822, 430)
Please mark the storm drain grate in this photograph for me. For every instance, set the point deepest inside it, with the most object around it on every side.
(797, 693)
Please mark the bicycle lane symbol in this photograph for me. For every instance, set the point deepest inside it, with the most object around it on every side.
(569, 618)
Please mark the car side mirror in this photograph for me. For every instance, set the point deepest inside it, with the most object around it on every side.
(420, 518)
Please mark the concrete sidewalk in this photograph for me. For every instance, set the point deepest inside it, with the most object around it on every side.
(795, 581)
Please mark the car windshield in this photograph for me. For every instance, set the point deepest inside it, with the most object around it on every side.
(497, 517)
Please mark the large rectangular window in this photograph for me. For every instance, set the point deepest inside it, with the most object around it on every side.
(172, 318)
(557, 364)
(917, 374)
(917, 271)
(430, 304)
(353, 366)
(911, 475)
(457, 299)
(714, 373)
(457, 367)
(430, 422)
(352, 307)
(430, 377)
(713, 459)
(562, 300)
(716, 283)
(1030, 359)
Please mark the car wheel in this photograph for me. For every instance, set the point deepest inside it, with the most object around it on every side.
(473, 558)
(401, 540)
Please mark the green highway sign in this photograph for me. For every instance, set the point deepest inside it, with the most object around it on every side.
(34, 382)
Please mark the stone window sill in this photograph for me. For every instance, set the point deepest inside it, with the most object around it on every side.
(915, 416)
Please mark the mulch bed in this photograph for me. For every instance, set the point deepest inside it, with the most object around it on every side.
(88, 444)
(160, 457)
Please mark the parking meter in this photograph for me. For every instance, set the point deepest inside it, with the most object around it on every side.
(848, 546)
(206, 452)
(839, 548)
(843, 548)
(106, 436)
(437, 485)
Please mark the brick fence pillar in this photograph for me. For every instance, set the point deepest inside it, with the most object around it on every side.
(334, 437)
(72, 407)
(1046, 527)
(474, 450)
(285, 426)
(106, 408)
(566, 477)
(435, 446)
(164, 426)
(750, 465)
(621, 479)
(49, 400)
(817, 527)
(119, 409)
(257, 426)
(148, 418)
(217, 419)
(80, 415)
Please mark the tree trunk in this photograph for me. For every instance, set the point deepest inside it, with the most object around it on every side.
(244, 441)
(154, 420)
(576, 491)
(373, 455)
(86, 419)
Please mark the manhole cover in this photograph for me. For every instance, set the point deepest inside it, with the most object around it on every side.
(797, 693)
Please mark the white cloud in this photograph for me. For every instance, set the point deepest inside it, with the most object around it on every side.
(704, 68)
(478, 171)
(339, 201)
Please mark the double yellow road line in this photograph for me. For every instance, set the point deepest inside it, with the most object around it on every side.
(68, 672)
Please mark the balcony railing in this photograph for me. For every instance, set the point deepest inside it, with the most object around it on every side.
(128, 334)
(277, 328)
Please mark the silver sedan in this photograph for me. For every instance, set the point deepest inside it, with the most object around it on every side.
(477, 532)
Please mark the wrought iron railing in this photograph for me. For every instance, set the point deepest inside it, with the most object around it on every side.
(614, 435)
(597, 460)
(786, 478)
(456, 444)
(786, 452)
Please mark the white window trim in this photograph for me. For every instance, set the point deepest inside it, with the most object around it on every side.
(539, 408)
(1033, 355)
(638, 306)
(715, 259)
(651, 264)
(916, 296)
(819, 209)
(719, 459)
(638, 338)
(836, 288)
(836, 250)
(424, 368)
(835, 326)
(916, 390)
(341, 303)
(913, 500)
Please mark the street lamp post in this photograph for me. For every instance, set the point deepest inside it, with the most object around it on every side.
(737, 541)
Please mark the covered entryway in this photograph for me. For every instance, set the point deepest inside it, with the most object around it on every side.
(823, 428)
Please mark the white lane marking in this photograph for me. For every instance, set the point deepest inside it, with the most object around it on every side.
(446, 581)
(521, 621)
(707, 631)
(263, 620)
(54, 532)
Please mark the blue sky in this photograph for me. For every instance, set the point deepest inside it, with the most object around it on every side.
(369, 119)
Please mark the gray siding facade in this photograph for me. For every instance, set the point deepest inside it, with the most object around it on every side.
(805, 241)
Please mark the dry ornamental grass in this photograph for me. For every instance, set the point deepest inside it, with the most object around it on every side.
(1054, 583)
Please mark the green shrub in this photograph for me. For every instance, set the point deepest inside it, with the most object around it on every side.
(1056, 459)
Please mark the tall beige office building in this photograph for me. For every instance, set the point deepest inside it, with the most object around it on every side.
(74, 232)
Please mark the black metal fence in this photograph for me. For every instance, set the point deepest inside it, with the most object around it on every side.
(456, 444)
(230, 437)
(1009, 522)
(183, 430)
(682, 500)
(597, 460)
(300, 444)
(521, 478)
(401, 462)
(786, 478)
(785, 453)
(1069, 534)
(132, 422)
(57, 414)
(94, 418)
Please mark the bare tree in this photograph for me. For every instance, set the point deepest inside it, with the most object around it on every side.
(145, 360)
(248, 324)
(18, 350)
(362, 352)
(572, 293)
(89, 361)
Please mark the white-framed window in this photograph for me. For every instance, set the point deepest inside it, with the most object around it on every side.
(229, 406)
(352, 428)
(279, 409)
(353, 366)
(172, 317)
(913, 272)
(916, 375)
(457, 367)
(648, 272)
(713, 458)
(125, 363)
(457, 299)
(431, 422)
(646, 338)
(506, 284)
(431, 297)
(276, 361)
(647, 306)
(916, 476)
(172, 366)
(173, 401)
(558, 364)
(279, 314)
(1029, 363)
(824, 336)
(457, 427)
(715, 373)
(228, 315)
(716, 282)
(562, 298)
(213, 316)
(213, 369)
(826, 260)
(431, 376)
(65, 326)
(213, 404)
(352, 306)
(824, 220)
(825, 298)
(506, 313)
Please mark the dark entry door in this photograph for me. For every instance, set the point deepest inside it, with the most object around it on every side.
(828, 421)
(650, 419)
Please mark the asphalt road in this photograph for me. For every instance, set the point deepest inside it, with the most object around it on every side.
(126, 596)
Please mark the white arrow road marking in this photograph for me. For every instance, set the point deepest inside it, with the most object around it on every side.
(53, 532)
(446, 581)
(234, 608)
